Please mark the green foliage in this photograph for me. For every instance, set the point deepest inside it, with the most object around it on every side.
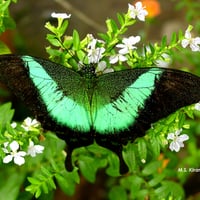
(6, 22)
(152, 167)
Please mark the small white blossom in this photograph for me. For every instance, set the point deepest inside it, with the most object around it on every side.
(137, 11)
(102, 68)
(60, 15)
(197, 106)
(117, 58)
(34, 149)
(95, 54)
(128, 44)
(189, 40)
(177, 140)
(13, 124)
(164, 61)
(13, 154)
(29, 124)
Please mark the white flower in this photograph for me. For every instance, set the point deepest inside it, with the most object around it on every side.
(128, 44)
(177, 140)
(117, 58)
(95, 54)
(60, 15)
(137, 11)
(197, 106)
(18, 157)
(34, 149)
(192, 42)
(102, 68)
(13, 124)
(29, 124)
(164, 61)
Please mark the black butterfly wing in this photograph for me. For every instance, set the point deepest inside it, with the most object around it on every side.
(134, 99)
(55, 94)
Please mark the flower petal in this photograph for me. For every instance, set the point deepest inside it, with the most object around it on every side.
(174, 146)
(170, 136)
(183, 138)
(60, 15)
(19, 160)
(7, 159)
(185, 43)
(14, 146)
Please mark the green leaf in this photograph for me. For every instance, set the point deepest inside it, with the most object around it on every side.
(170, 189)
(4, 49)
(89, 166)
(121, 19)
(76, 40)
(164, 42)
(129, 156)
(53, 40)
(132, 183)
(151, 168)
(117, 193)
(67, 181)
(173, 39)
(6, 114)
(63, 28)
(11, 184)
(142, 149)
(156, 180)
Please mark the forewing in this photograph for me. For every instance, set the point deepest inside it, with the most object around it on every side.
(54, 93)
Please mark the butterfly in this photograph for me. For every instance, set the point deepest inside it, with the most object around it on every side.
(111, 109)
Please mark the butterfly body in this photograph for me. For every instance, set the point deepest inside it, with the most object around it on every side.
(110, 109)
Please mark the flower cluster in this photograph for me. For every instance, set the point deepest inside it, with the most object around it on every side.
(12, 149)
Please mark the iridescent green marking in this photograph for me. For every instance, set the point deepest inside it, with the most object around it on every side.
(64, 110)
(120, 114)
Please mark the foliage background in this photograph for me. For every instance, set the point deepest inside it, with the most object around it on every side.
(30, 28)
